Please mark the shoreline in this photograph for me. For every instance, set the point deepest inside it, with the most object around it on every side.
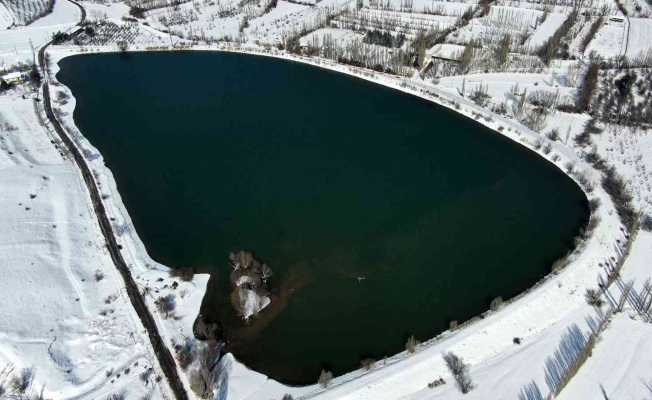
(514, 131)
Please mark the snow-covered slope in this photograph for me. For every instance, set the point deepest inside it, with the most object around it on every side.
(65, 314)
(27, 11)
(16, 43)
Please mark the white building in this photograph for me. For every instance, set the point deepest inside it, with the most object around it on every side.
(12, 78)
(446, 52)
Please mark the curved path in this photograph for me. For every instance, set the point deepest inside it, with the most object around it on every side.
(163, 354)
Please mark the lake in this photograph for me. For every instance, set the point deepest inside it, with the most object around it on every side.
(382, 215)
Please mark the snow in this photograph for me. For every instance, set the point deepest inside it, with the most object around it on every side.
(57, 317)
(541, 317)
(407, 23)
(544, 31)
(449, 8)
(499, 85)
(6, 17)
(271, 26)
(12, 76)
(631, 152)
(341, 36)
(46, 269)
(252, 303)
(640, 34)
(621, 362)
(63, 13)
(500, 21)
(16, 44)
(97, 11)
(630, 38)
(446, 51)
(609, 41)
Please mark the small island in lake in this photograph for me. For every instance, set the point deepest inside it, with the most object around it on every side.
(249, 279)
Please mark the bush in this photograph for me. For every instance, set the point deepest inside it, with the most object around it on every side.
(367, 363)
(185, 353)
(646, 223)
(325, 378)
(99, 275)
(166, 304)
(60, 37)
(205, 376)
(123, 45)
(553, 135)
(496, 303)
(547, 148)
(587, 87)
(185, 274)
(593, 298)
(21, 382)
(615, 187)
(460, 372)
(411, 344)
(594, 204)
(137, 12)
(552, 47)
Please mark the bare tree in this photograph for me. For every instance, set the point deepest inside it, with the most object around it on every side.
(325, 378)
(460, 372)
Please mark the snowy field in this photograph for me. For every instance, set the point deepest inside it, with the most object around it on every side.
(640, 33)
(100, 11)
(23, 12)
(65, 315)
(500, 86)
(545, 30)
(486, 345)
(16, 44)
(610, 40)
(79, 333)
(501, 21)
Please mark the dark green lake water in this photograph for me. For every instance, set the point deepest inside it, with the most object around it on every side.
(327, 178)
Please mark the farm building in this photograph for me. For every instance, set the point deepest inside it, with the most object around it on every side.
(11, 78)
(446, 52)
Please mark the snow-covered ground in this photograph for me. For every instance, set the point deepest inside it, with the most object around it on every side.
(621, 362)
(545, 30)
(16, 44)
(640, 32)
(342, 36)
(610, 40)
(65, 314)
(500, 86)
(6, 17)
(53, 233)
(541, 318)
(99, 11)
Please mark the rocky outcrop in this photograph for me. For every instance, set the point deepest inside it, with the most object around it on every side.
(249, 279)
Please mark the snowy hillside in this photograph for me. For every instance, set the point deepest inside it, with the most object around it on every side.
(24, 12)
